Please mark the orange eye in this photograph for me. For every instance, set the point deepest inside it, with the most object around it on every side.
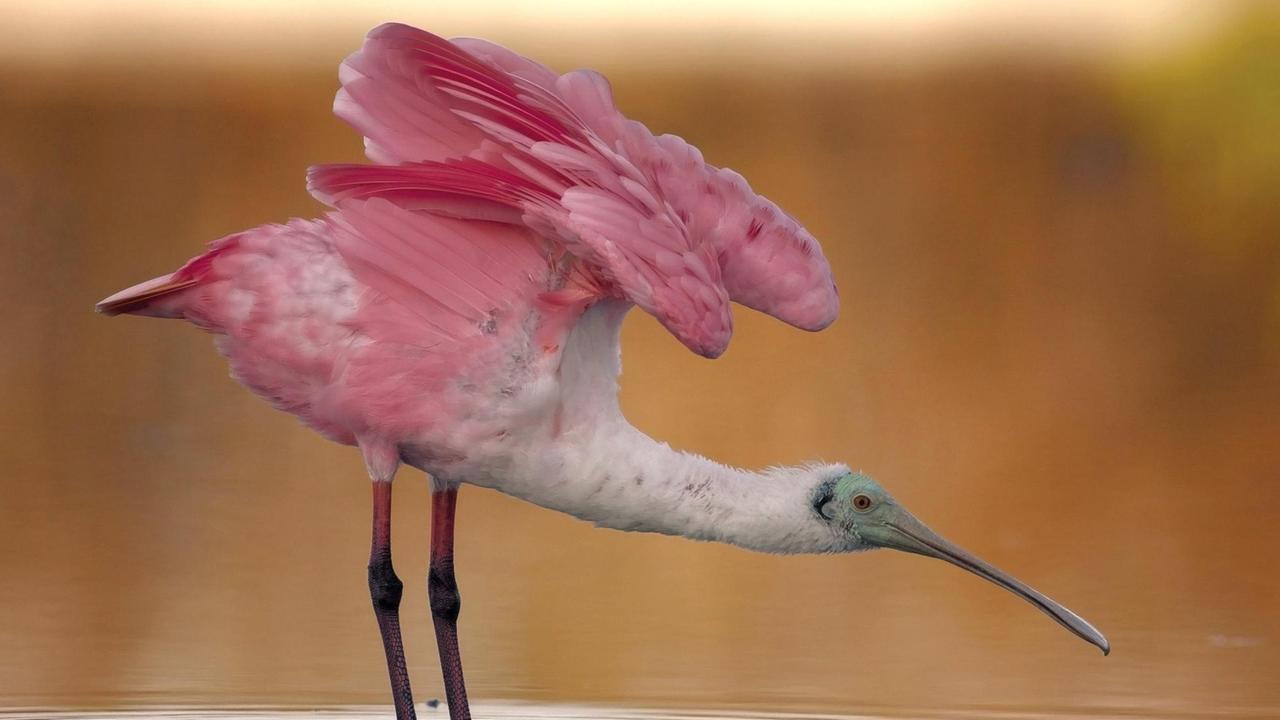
(862, 503)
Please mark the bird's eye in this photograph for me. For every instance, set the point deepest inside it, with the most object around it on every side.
(862, 502)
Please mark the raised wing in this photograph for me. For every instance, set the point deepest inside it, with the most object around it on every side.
(769, 262)
(477, 131)
(678, 284)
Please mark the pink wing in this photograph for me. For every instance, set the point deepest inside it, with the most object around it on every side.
(769, 262)
(482, 132)
(656, 268)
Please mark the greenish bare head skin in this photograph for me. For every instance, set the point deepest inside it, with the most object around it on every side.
(869, 517)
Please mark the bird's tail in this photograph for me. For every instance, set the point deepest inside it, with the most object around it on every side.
(146, 298)
(164, 296)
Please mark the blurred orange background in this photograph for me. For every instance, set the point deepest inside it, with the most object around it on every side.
(1057, 237)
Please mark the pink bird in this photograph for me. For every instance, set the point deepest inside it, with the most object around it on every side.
(458, 310)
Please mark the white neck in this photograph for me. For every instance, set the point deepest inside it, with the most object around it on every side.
(595, 466)
(617, 477)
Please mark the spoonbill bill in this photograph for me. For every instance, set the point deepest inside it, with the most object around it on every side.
(458, 311)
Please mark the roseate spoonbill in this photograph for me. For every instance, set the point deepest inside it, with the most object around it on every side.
(459, 309)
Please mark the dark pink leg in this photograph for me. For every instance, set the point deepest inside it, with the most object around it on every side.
(385, 589)
(442, 589)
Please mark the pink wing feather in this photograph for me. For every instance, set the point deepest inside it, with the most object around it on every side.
(769, 262)
(478, 131)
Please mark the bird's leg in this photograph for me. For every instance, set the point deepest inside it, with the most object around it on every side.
(385, 589)
(442, 589)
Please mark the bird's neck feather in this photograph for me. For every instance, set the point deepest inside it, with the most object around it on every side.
(600, 468)
(617, 477)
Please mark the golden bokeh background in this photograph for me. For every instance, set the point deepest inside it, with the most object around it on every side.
(1057, 236)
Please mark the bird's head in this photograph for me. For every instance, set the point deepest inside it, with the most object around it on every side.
(865, 517)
